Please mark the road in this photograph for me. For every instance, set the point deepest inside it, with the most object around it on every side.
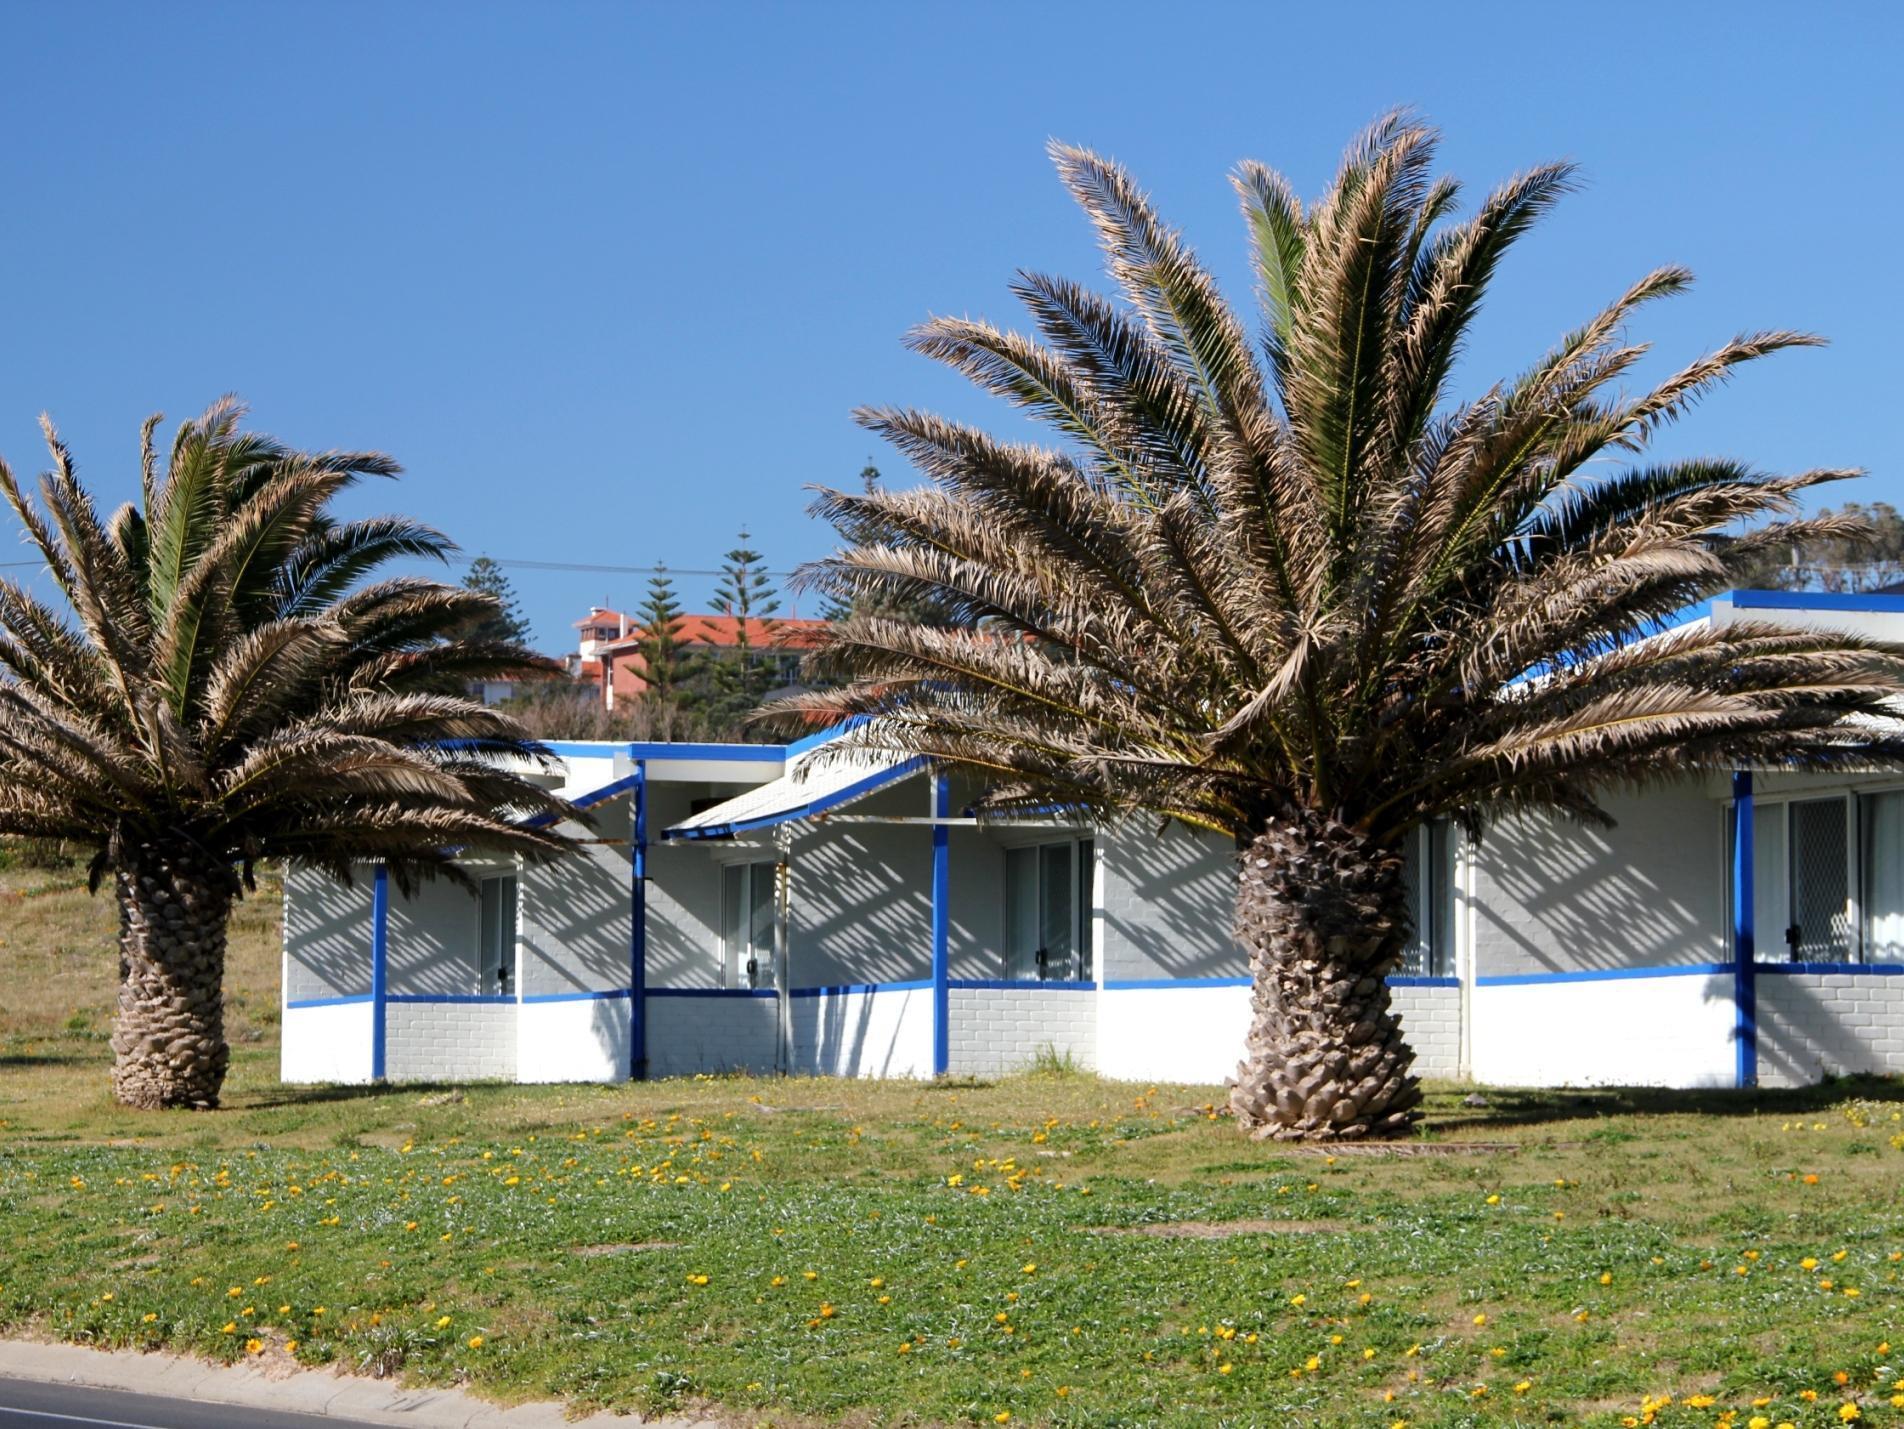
(32, 1404)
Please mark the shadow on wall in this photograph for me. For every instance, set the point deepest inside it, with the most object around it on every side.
(432, 933)
(1169, 902)
(862, 909)
(842, 1039)
(1578, 897)
(327, 937)
(575, 922)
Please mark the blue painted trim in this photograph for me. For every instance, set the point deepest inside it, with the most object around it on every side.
(606, 994)
(814, 741)
(1150, 984)
(724, 753)
(1745, 994)
(590, 798)
(344, 1001)
(711, 992)
(1872, 969)
(1000, 984)
(1606, 974)
(1813, 600)
(638, 927)
(804, 811)
(1404, 980)
(379, 967)
(941, 927)
(849, 988)
(453, 998)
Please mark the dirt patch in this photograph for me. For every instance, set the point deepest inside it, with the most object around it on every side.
(1221, 1230)
(626, 1247)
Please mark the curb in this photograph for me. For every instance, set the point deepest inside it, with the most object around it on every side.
(325, 1394)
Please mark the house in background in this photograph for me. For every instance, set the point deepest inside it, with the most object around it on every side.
(608, 647)
(778, 908)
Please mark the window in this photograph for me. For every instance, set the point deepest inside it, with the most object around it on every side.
(747, 924)
(1428, 883)
(495, 933)
(1882, 894)
(1048, 911)
(1802, 862)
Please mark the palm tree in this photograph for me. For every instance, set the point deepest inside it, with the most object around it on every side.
(233, 691)
(1294, 592)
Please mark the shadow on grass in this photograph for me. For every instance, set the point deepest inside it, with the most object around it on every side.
(48, 1059)
(1508, 1107)
(293, 1096)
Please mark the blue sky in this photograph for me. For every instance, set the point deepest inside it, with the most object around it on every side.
(609, 279)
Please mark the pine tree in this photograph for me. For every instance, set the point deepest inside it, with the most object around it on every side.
(508, 626)
(740, 681)
(668, 669)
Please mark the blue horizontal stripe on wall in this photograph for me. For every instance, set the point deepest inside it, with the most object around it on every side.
(712, 992)
(994, 984)
(1606, 974)
(1147, 984)
(607, 994)
(342, 1001)
(858, 987)
(1873, 969)
(450, 998)
(1403, 980)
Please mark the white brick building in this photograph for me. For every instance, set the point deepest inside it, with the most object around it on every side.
(746, 906)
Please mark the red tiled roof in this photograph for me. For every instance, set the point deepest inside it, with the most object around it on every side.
(724, 630)
(601, 617)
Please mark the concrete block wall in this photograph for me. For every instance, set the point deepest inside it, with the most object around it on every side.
(857, 1033)
(684, 893)
(1431, 1020)
(1665, 1029)
(861, 900)
(326, 935)
(1001, 1028)
(431, 949)
(1553, 896)
(1829, 1023)
(575, 928)
(450, 1041)
(1166, 903)
(711, 1031)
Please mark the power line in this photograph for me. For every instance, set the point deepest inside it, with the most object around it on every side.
(592, 569)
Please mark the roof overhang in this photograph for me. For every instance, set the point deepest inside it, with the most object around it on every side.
(809, 787)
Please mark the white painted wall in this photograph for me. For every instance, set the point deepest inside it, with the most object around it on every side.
(573, 1040)
(684, 893)
(1815, 1025)
(326, 1044)
(711, 1032)
(432, 941)
(861, 900)
(1178, 1034)
(994, 1030)
(1664, 1031)
(862, 1034)
(449, 1041)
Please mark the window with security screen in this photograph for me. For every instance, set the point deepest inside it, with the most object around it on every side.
(1428, 881)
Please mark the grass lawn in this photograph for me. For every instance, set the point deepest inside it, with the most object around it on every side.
(954, 1254)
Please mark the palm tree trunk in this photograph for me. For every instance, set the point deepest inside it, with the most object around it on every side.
(169, 1040)
(1322, 911)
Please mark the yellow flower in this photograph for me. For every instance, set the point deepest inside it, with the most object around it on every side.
(1523, 1386)
(1494, 1200)
(475, 1342)
(443, 1322)
(1848, 1412)
(1481, 1319)
(1002, 1417)
(697, 1280)
(1606, 1277)
(228, 1328)
(148, 1317)
(252, 1347)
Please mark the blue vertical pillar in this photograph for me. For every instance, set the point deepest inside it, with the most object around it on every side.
(941, 927)
(379, 967)
(638, 926)
(1745, 991)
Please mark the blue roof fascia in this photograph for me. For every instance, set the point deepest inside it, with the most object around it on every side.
(729, 753)
(832, 732)
(805, 811)
(1866, 601)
